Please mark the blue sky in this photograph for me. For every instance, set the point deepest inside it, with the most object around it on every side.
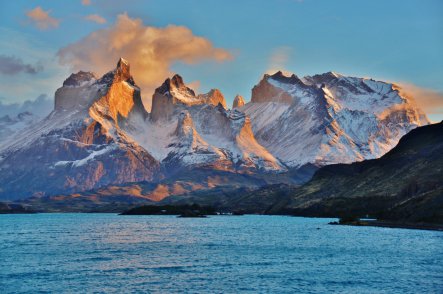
(392, 40)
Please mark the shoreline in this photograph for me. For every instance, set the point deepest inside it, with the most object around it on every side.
(356, 223)
(393, 224)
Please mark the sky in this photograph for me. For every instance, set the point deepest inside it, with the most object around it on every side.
(227, 45)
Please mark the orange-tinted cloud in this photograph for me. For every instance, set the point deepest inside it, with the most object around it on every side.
(150, 50)
(42, 19)
(86, 2)
(95, 18)
(430, 101)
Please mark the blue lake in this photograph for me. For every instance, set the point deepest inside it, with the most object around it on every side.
(223, 254)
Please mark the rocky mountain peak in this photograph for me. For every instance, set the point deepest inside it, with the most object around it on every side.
(267, 91)
(324, 78)
(79, 79)
(177, 81)
(121, 97)
(120, 73)
(174, 85)
(281, 77)
(122, 63)
(238, 102)
(213, 97)
(173, 94)
(77, 92)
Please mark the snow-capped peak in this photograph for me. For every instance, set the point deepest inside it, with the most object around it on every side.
(277, 88)
(173, 94)
(175, 87)
(80, 79)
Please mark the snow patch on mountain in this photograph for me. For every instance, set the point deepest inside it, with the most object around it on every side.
(264, 113)
(92, 156)
(10, 126)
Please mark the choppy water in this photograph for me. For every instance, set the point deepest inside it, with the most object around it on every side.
(225, 254)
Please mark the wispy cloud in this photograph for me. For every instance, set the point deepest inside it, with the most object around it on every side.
(95, 18)
(11, 65)
(430, 101)
(279, 59)
(42, 19)
(40, 106)
(86, 2)
(150, 50)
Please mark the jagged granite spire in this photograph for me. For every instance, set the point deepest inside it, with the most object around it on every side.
(238, 102)
(174, 84)
(213, 97)
(121, 96)
(174, 93)
(120, 73)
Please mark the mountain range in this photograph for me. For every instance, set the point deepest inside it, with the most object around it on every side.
(99, 137)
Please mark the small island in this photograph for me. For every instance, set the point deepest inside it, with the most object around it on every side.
(193, 210)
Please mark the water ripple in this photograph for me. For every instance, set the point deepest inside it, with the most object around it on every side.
(99, 253)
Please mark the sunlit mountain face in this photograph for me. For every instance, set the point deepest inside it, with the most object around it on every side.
(100, 134)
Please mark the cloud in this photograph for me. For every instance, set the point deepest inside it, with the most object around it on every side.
(150, 50)
(279, 58)
(86, 2)
(11, 65)
(430, 101)
(42, 19)
(95, 18)
(41, 106)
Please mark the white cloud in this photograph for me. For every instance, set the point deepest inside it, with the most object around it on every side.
(95, 18)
